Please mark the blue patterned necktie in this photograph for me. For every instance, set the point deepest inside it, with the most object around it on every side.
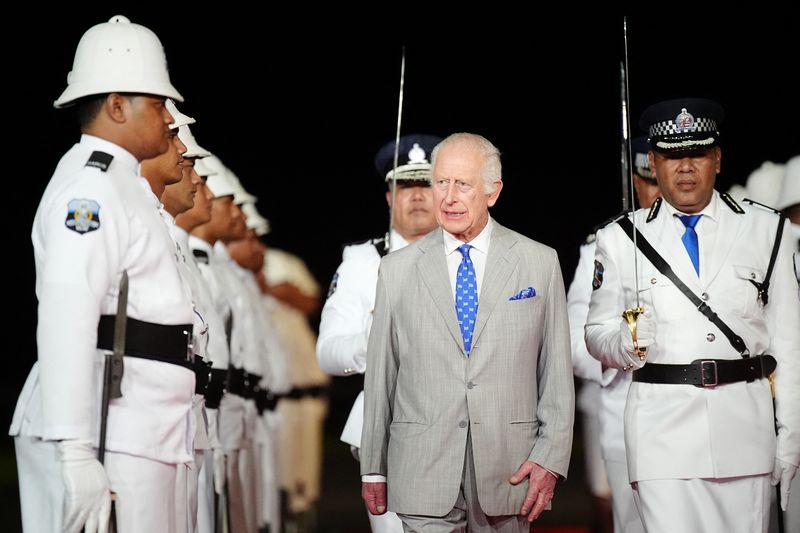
(690, 239)
(466, 296)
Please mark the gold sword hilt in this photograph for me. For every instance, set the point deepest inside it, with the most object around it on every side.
(631, 316)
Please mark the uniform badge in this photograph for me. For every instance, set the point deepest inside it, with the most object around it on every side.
(684, 122)
(83, 215)
(597, 278)
(332, 287)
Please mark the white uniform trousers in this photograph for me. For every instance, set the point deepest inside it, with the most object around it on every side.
(204, 464)
(250, 469)
(145, 489)
(270, 473)
(731, 505)
(596, 475)
(626, 516)
(236, 514)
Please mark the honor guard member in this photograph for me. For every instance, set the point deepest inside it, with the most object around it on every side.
(720, 313)
(789, 204)
(347, 313)
(227, 222)
(292, 295)
(98, 229)
(179, 199)
(603, 391)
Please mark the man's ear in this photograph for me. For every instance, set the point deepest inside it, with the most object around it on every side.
(116, 107)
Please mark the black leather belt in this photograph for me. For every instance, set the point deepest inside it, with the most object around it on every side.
(158, 342)
(202, 375)
(265, 400)
(216, 387)
(708, 373)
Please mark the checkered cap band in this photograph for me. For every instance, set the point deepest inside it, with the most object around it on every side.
(668, 127)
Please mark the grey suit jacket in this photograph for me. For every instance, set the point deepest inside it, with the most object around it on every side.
(423, 394)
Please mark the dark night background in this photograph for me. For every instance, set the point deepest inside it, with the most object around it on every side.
(297, 104)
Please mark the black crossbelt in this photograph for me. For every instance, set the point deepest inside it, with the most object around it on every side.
(653, 256)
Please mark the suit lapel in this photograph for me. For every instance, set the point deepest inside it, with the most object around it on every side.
(432, 268)
(500, 264)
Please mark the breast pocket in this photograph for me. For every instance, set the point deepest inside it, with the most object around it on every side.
(744, 291)
(664, 298)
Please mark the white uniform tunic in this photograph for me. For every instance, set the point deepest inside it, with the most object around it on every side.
(684, 432)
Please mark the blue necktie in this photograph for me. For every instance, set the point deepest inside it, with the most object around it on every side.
(690, 239)
(466, 296)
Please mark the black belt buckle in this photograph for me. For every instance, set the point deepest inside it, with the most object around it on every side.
(705, 366)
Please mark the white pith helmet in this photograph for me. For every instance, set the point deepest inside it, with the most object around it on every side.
(118, 56)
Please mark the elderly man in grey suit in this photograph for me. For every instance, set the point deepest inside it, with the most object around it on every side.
(469, 396)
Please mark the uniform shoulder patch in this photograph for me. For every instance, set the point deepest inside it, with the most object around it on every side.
(100, 160)
(83, 215)
(654, 209)
(332, 287)
(730, 202)
(753, 202)
(597, 278)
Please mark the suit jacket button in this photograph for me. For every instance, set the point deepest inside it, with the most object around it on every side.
(470, 385)
(462, 424)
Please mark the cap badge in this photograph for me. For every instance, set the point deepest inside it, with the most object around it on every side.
(416, 155)
(684, 122)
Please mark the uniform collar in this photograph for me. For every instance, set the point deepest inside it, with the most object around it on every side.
(121, 155)
(397, 241)
(480, 243)
(711, 210)
(221, 251)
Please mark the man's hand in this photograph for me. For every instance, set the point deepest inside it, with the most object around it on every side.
(86, 492)
(783, 473)
(645, 336)
(374, 495)
(541, 486)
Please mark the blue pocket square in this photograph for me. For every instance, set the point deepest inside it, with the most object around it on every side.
(530, 292)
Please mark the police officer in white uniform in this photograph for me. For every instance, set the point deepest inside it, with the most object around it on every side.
(604, 390)
(98, 218)
(699, 424)
(789, 204)
(347, 313)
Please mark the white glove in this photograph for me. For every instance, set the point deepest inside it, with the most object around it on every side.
(87, 498)
(645, 335)
(783, 473)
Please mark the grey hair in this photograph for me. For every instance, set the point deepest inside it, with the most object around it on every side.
(492, 170)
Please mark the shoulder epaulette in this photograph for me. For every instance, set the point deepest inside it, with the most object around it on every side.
(763, 206)
(610, 221)
(100, 160)
(378, 242)
(654, 209)
(730, 202)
